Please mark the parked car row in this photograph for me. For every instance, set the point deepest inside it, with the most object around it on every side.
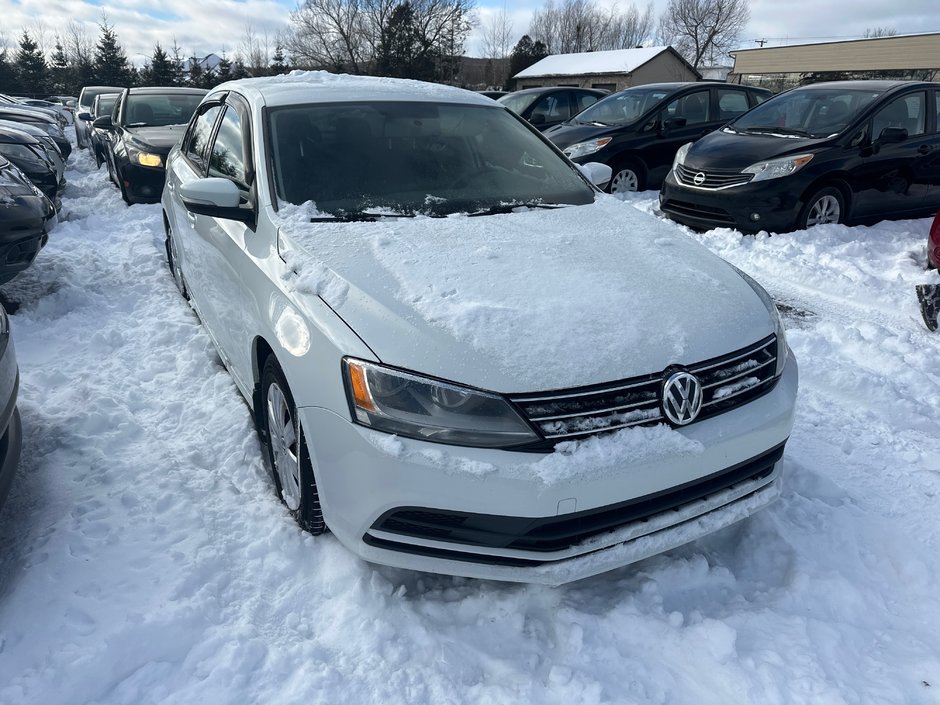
(727, 155)
(134, 137)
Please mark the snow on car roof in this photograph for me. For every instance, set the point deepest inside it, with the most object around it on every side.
(323, 86)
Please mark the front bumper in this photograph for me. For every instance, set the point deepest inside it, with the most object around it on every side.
(24, 231)
(143, 184)
(776, 208)
(583, 524)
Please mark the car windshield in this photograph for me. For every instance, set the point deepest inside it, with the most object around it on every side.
(415, 158)
(621, 108)
(160, 109)
(815, 112)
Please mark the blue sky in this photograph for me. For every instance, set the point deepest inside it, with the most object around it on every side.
(203, 26)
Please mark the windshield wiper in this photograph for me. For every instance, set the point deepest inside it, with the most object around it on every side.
(501, 208)
(770, 129)
(137, 124)
(357, 217)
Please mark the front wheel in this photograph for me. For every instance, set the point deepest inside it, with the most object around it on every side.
(286, 448)
(627, 177)
(827, 205)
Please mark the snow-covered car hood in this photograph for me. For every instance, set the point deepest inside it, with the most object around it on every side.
(526, 301)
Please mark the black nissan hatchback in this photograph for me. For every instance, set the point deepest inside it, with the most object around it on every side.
(839, 152)
(637, 131)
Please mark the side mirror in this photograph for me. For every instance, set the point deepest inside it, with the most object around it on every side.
(215, 197)
(893, 134)
(672, 123)
(597, 173)
(102, 123)
(85, 116)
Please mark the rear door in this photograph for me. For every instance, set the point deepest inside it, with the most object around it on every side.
(695, 108)
(894, 174)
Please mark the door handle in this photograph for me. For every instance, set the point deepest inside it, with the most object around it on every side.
(924, 149)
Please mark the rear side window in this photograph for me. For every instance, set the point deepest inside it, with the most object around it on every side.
(693, 107)
(227, 158)
(731, 103)
(551, 108)
(201, 132)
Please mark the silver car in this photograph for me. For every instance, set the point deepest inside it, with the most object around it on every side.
(462, 357)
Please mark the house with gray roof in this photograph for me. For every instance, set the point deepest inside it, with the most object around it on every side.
(610, 70)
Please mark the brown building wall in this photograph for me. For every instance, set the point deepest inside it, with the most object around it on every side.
(662, 68)
(881, 54)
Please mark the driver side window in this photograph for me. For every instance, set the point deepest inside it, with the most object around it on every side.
(227, 158)
(908, 112)
(199, 137)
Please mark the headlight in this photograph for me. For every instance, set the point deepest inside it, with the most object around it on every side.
(148, 159)
(775, 168)
(782, 347)
(582, 149)
(679, 159)
(431, 410)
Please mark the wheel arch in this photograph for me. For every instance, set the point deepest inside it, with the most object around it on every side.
(836, 180)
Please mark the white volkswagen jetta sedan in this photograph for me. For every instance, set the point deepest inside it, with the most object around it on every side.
(460, 355)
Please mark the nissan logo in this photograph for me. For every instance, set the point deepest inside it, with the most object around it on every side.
(699, 178)
(682, 398)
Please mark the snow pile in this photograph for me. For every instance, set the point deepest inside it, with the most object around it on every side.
(144, 558)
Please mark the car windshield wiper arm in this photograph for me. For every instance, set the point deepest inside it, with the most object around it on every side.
(500, 208)
(356, 217)
(137, 124)
(770, 129)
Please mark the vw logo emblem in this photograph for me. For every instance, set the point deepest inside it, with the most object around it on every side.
(682, 398)
(699, 178)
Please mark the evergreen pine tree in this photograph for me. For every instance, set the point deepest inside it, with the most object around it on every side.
(278, 63)
(111, 66)
(160, 70)
(223, 72)
(525, 53)
(179, 71)
(196, 74)
(8, 82)
(31, 69)
(60, 71)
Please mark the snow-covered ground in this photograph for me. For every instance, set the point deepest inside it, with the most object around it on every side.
(145, 559)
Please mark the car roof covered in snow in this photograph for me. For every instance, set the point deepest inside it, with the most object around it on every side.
(300, 87)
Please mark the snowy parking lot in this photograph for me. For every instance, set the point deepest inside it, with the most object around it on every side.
(144, 557)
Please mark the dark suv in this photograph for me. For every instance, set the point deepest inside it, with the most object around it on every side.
(637, 131)
(548, 106)
(839, 152)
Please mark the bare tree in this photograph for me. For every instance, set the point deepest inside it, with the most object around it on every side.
(497, 35)
(351, 35)
(632, 28)
(875, 32)
(256, 50)
(582, 25)
(700, 28)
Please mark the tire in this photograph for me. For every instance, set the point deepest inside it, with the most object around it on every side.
(827, 205)
(126, 196)
(172, 261)
(628, 176)
(285, 448)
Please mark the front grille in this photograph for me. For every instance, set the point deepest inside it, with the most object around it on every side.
(710, 214)
(555, 533)
(715, 179)
(727, 381)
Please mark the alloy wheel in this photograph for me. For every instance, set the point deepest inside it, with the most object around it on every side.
(825, 210)
(282, 431)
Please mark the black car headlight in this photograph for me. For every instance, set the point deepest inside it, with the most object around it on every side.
(582, 149)
(428, 409)
(776, 168)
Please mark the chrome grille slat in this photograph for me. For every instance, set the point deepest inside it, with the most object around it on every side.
(713, 180)
(604, 408)
(596, 412)
(749, 371)
(606, 429)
